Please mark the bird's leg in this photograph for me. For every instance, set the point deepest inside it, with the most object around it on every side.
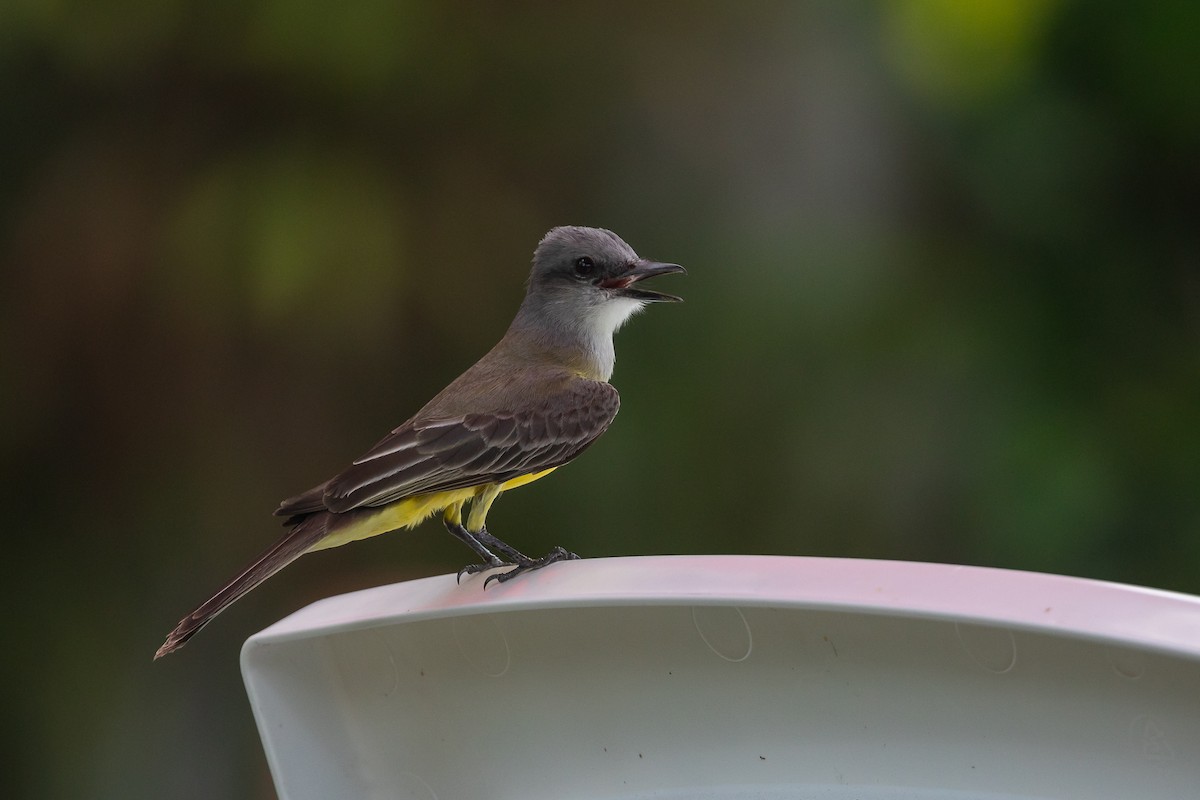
(508, 551)
(452, 517)
(477, 530)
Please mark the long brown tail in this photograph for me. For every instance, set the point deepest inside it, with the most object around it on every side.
(307, 532)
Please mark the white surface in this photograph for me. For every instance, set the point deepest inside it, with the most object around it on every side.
(742, 677)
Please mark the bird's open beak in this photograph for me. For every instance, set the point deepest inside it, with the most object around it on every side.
(622, 285)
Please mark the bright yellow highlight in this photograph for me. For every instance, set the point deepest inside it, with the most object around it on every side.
(963, 52)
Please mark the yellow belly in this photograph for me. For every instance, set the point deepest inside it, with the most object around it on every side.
(524, 479)
(413, 510)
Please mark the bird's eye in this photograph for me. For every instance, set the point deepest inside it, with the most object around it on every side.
(585, 267)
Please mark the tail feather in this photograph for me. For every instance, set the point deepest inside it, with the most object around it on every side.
(306, 532)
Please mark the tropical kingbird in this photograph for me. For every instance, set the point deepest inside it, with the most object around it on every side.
(533, 403)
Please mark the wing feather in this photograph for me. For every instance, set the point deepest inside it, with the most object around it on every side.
(424, 456)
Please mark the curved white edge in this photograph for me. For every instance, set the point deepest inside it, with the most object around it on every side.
(1114, 613)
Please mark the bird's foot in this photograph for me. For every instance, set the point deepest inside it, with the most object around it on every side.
(526, 564)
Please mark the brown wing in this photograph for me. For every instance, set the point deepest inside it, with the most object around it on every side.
(433, 455)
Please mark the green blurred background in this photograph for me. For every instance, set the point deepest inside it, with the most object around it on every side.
(943, 304)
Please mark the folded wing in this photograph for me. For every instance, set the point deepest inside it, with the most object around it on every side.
(433, 455)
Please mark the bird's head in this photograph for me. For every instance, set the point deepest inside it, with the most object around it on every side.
(584, 284)
(593, 274)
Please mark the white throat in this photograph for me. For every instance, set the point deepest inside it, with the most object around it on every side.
(598, 325)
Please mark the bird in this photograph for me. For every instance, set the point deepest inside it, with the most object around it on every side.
(534, 402)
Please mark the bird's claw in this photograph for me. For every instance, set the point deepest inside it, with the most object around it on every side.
(475, 569)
